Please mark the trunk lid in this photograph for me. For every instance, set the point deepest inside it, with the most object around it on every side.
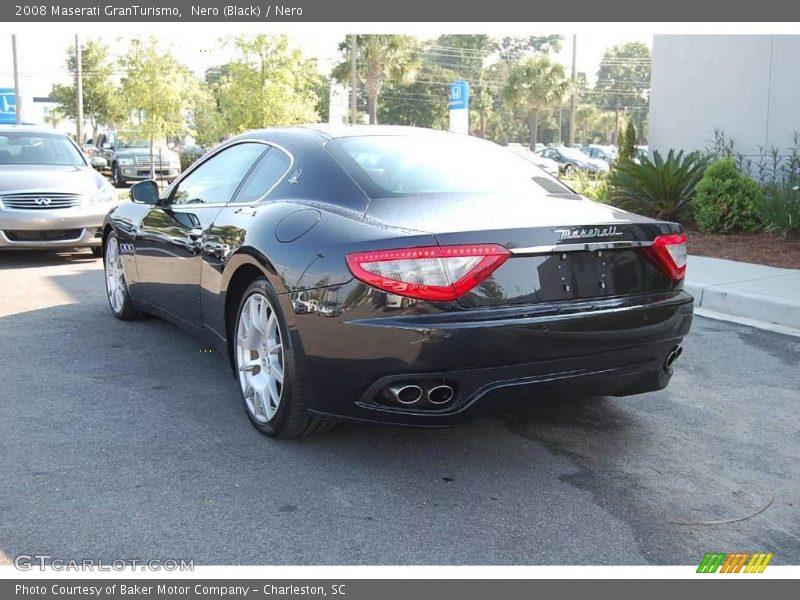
(564, 247)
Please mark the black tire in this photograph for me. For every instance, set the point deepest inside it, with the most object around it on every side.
(570, 170)
(97, 251)
(116, 177)
(127, 311)
(291, 420)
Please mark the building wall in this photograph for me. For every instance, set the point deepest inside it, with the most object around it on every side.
(746, 85)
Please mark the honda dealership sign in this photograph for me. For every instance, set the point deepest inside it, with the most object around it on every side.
(459, 107)
(8, 106)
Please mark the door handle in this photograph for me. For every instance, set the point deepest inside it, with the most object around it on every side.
(195, 233)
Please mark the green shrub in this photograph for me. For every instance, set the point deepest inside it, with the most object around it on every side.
(660, 188)
(779, 209)
(726, 201)
(596, 189)
(188, 157)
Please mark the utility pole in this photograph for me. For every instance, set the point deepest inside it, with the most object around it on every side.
(573, 100)
(17, 99)
(79, 91)
(353, 79)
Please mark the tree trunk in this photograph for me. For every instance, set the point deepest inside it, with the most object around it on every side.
(533, 126)
(372, 108)
(482, 121)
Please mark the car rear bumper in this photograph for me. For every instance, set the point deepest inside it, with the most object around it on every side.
(610, 346)
(69, 228)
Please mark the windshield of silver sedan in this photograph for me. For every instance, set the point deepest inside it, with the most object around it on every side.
(22, 148)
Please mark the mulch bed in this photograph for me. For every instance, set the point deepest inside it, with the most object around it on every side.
(759, 248)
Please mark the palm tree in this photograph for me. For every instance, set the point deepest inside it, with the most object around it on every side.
(535, 84)
(380, 57)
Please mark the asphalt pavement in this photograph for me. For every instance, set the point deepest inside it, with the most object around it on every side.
(127, 440)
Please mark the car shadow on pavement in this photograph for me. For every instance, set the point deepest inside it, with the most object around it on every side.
(16, 259)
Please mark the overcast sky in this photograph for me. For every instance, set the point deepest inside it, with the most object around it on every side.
(41, 62)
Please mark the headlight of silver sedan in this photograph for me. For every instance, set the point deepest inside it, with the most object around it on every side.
(125, 162)
(105, 195)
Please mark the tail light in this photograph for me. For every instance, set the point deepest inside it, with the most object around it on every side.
(669, 253)
(435, 273)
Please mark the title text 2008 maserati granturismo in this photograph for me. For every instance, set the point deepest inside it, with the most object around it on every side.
(398, 275)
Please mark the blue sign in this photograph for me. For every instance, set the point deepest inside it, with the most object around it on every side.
(459, 95)
(8, 106)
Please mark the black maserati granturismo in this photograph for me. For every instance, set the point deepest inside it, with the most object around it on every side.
(398, 275)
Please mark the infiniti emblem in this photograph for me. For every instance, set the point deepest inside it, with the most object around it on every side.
(42, 201)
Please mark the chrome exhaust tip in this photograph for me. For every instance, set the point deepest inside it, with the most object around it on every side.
(673, 355)
(440, 394)
(405, 393)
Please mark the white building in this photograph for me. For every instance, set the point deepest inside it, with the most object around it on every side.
(746, 85)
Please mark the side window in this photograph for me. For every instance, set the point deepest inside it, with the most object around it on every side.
(216, 180)
(269, 171)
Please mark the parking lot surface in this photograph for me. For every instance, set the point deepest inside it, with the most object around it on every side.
(128, 441)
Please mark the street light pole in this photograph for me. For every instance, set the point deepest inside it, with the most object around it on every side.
(79, 91)
(353, 79)
(17, 99)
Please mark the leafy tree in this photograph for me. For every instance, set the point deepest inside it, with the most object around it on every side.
(159, 88)
(207, 121)
(622, 142)
(101, 101)
(512, 48)
(623, 78)
(269, 84)
(593, 124)
(423, 102)
(628, 148)
(465, 57)
(54, 117)
(381, 58)
(533, 85)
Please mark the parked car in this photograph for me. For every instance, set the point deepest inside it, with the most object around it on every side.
(547, 165)
(607, 154)
(329, 309)
(512, 286)
(50, 196)
(572, 160)
(128, 158)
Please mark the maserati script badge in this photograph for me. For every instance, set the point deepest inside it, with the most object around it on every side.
(580, 233)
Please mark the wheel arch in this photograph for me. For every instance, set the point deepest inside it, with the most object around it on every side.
(245, 266)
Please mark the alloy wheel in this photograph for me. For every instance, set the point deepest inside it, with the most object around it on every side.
(259, 357)
(115, 280)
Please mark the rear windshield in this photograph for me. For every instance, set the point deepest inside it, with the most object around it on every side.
(388, 166)
(19, 148)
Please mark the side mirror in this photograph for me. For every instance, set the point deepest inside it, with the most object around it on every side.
(98, 162)
(145, 192)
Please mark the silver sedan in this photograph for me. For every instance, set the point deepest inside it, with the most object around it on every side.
(50, 196)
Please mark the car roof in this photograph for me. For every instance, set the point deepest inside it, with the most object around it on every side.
(30, 129)
(329, 131)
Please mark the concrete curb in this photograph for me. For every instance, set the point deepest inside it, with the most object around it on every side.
(753, 292)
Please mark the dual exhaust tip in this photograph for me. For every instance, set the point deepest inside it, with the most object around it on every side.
(673, 355)
(411, 393)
